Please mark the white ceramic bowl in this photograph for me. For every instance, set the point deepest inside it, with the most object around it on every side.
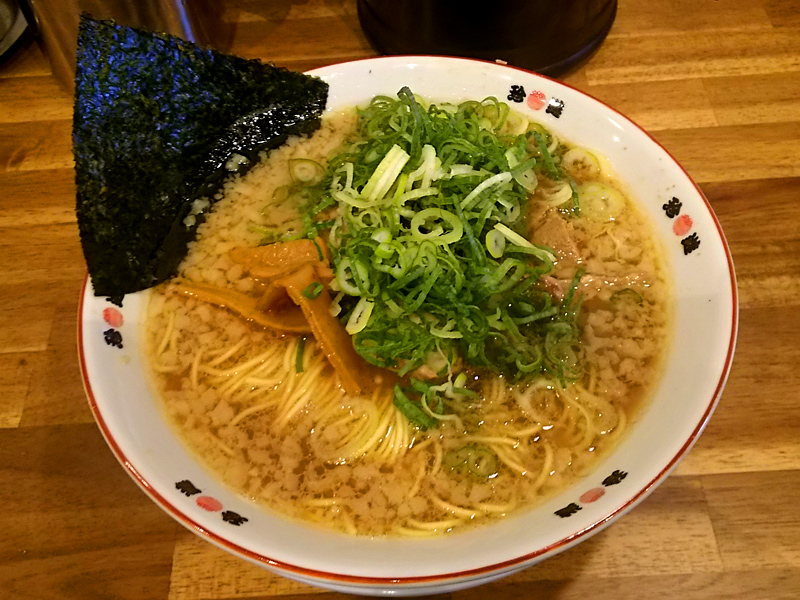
(698, 362)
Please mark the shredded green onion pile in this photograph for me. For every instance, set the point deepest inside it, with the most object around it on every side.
(426, 223)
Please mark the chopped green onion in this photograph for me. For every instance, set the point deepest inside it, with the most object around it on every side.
(412, 411)
(495, 180)
(319, 251)
(298, 360)
(532, 366)
(426, 172)
(600, 202)
(552, 170)
(476, 460)
(573, 287)
(382, 235)
(385, 174)
(437, 234)
(524, 173)
(576, 204)
(549, 312)
(344, 277)
(628, 295)
(495, 243)
(336, 307)
(360, 316)
(426, 255)
(305, 170)
(512, 236)
(313, 290)
(447, 331)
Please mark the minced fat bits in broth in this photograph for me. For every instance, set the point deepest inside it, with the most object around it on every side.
(297, 443)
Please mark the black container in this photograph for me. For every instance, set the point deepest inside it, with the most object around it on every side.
(548, 36)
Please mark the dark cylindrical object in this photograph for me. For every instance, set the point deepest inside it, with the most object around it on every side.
(548, 36)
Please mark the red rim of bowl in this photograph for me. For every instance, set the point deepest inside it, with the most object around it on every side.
(560, 545)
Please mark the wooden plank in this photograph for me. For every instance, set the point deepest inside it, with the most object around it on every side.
(783, 13)
(52, 469)
(15, 375)
(50, 548)
(750, 430)
(766, 251)
(39, 145)
(247, 11)
(302, 65)
(27, 60)
(782, 584)
(320, 594)
(55, 394)
(201, 571)
(73, 535)
(123, 572)
(280, 41)
(316, 595)
(772, 98)
(755, 517)
(36, 198)
(736, 153)
(756, 401)
(26, 316)
(65, 235)
(19, 96)
(644, 17)
(576, 78)
(41, 255)
(639, 544)
(656, 105)
(688, 55)
(74, 524)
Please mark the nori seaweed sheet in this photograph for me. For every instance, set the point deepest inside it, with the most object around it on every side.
(156, 118)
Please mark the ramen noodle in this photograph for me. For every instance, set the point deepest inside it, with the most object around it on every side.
(266, 411)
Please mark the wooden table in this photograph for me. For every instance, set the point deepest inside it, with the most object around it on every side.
(716, 82)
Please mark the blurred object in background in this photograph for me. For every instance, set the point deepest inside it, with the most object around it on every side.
(12, 24)
(56, 24)
(548, 36)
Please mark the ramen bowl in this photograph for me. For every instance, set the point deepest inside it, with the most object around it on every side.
(128, 411)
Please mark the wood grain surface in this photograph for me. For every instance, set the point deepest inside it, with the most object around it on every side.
(717, 82)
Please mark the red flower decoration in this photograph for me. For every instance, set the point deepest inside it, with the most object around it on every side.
(682, 225)
(592, 495)
(112, 316)
(536, 100)
(208, 503)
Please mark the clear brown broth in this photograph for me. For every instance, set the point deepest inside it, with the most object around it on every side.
(294, 458)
